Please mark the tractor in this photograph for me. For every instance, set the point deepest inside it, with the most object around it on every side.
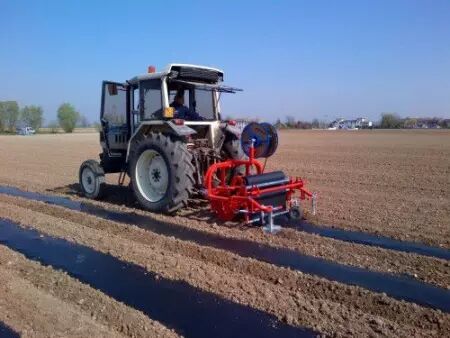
(164, 130)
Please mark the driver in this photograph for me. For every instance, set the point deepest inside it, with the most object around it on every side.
(181, 111)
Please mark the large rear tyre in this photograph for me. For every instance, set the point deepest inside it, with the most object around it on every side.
(92, 179)
(161, 172)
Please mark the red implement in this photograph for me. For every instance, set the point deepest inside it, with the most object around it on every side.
(273, 194)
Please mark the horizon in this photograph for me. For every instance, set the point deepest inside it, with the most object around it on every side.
(307, 60)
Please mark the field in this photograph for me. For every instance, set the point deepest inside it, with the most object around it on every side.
(394, 184)
(86, 130)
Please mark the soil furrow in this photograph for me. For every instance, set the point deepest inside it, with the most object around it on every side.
(366, 238)
(37, 297)
(7, 332)
(32, 312)
(431, 270)
(287, 301)
(222, 258)
(174, 303)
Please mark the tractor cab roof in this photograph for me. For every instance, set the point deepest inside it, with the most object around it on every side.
(186, 72)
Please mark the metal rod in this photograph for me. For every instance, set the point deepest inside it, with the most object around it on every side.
(271, 228)
(267, 184)
(314, 203)
(275, 214)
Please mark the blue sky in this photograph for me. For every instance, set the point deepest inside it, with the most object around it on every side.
(301, 58)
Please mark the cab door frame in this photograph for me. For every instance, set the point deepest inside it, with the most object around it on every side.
(115, 138)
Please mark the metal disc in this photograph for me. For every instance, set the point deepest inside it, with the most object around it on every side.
(264, 137)
(273, 138)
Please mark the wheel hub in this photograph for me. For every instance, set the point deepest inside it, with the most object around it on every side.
(152, 175)
(88, 180)
(156, 175)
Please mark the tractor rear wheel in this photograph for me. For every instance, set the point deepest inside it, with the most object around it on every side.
(161, 171)
(92, 179)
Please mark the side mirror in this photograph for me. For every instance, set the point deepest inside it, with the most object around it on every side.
(112, 89)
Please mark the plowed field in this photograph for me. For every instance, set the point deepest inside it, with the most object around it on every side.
(390, 183)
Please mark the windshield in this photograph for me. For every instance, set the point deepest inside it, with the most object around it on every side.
(204, 103)
(192, 104)
(196, 101)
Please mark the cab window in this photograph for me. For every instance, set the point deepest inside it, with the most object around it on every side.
(204, 104)
(114, 104)
(151, 100)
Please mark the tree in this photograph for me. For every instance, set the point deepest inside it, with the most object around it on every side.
(390, 121)
(32, 116)
(303, 125)
(410, 123)
(315, 123)
(444, 123)
(67, 117)
(290, 122)
(278, 124)
(9, 115)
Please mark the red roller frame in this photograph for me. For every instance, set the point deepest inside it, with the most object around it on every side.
(228, 200)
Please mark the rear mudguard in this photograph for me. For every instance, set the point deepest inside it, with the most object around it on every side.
(166, 127)
(233, 130)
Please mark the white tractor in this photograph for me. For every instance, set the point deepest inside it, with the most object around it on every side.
(163, 130)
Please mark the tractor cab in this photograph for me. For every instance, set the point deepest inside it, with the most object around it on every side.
(182, 99)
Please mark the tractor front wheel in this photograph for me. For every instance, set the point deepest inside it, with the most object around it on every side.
(92, 179)
(162, 173)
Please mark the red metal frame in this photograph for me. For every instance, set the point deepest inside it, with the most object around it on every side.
(227, 200)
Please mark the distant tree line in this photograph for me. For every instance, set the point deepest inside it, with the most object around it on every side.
(387, 121)
(393, 121)
(292, 123)
(12, 117)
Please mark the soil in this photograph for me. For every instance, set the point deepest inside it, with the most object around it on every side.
(39, 301)
(296, 298)
(394, 183)
(431, 270)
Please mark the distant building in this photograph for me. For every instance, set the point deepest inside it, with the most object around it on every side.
(359, 123)
(363, 122)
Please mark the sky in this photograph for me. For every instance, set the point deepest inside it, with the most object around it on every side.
(307, 59)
